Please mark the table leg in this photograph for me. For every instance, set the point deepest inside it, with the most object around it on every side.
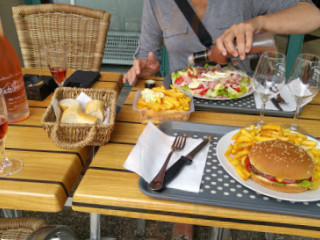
(140, 231)
(8, 213)
(95, 226)
(219, 233)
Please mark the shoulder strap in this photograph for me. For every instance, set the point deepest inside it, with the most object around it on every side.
(197, 26)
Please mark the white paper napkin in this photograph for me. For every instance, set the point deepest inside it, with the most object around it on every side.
(151, 151)
(289, 106)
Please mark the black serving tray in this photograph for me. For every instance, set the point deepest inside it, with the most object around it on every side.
(245, 105)
(218, 188)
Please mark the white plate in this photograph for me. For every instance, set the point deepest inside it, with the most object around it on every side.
(222, 146)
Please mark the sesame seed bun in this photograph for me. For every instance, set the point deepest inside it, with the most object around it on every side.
(283, 160)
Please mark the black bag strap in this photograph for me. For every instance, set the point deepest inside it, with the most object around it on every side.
(197, 26)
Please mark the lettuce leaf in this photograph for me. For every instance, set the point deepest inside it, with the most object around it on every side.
(185, 88)
(305, 183)
(244, 88)
(175, 75)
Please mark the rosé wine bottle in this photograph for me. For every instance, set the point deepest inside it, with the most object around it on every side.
(11, 81)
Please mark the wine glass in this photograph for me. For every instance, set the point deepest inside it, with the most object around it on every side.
(268, 78)
(8, 166)
(57, 61)
(304, 82)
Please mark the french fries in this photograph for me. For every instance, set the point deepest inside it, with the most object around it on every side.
(173, 99)
(246, 138)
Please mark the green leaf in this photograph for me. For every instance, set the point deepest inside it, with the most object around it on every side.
(305, 183)
(185, 88)
(245, 79)
(243, 88)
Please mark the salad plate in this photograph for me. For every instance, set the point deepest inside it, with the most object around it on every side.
(213, 82)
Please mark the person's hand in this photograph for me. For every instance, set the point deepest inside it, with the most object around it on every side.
(142, 67)
(236, 41)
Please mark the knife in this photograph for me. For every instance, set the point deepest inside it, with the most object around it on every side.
(173, 171)
(276, 103)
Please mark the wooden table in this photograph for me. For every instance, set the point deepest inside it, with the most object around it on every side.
(49, 173)
(107, 188)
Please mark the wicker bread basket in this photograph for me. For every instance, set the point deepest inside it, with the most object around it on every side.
(19, 228)
(75, 135)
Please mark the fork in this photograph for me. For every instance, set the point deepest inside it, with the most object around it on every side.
(178, 144)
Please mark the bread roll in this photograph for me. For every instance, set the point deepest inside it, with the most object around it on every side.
(95, 108)
(71, 114)
(86, 118)
(68, 102)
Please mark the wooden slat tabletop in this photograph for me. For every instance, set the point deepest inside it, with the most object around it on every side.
(49, 173)
(108, 188)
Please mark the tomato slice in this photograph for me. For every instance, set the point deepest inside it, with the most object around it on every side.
(269, 177)
(204, 91)
(179, 80)
(248, 165)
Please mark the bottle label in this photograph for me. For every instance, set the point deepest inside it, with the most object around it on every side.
(13, 88)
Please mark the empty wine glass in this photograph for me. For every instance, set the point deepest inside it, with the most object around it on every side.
(268, 78)
(8, 166)
(304, 82)
(57, 61)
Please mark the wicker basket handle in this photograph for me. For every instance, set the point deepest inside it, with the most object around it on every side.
(85, 142)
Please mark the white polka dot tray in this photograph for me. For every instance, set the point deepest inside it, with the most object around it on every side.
(220, 185)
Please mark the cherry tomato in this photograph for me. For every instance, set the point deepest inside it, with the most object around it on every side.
(204, 91)
(179, 80)
(237, 89)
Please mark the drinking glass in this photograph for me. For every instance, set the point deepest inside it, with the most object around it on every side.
(8, 166)
(304, 82)
(268, 78)
(57, 61)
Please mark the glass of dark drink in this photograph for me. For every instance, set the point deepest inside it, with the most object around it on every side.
(57, 61)
(10, 165)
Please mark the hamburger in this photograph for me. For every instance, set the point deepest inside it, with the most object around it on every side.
(281, 165)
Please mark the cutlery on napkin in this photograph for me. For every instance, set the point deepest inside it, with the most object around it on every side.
(288, 106)
(151, 150)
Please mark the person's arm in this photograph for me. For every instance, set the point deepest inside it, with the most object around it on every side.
(302, 18)
(147, 55)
